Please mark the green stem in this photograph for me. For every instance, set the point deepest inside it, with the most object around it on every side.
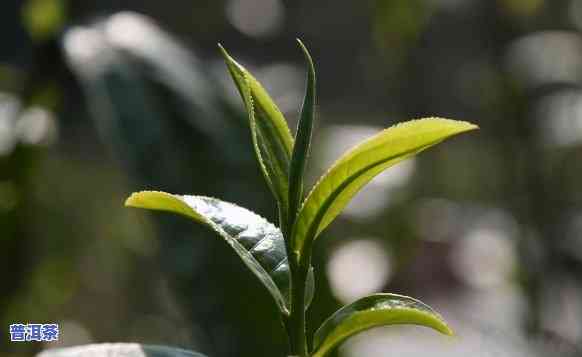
(296, 320)
(284, 226)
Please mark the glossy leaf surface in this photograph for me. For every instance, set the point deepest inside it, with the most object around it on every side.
(302, 139)
(361, 164)
(271, 136)
(373, 311)
(118, 350)
(257, 242)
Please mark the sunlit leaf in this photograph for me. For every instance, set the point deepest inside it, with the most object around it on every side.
(118, 350)
(302, 140)
(257, 242)
(362, 163)
(271, 136)
(373, 311)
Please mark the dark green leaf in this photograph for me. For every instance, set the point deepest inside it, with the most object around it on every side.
(302, 140)
(258, 243)
(118, 350)
(271, 136)
(373, 311)
(362, 163)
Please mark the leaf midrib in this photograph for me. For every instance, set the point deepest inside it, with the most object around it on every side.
(311, 232)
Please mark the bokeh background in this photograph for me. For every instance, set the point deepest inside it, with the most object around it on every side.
(102, 98)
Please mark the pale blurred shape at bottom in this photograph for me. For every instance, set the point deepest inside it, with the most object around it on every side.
(358, 268)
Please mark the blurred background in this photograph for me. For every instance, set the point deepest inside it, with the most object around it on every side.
(102, 98)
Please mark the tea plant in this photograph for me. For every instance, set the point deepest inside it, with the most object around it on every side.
(280, 257)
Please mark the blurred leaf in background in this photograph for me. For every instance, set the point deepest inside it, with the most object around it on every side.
(44, 18)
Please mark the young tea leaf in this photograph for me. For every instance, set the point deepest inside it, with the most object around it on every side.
(118, 350)
(257, 242)
(373, 311)
(271, 136)
(302, 140)
(362, 163)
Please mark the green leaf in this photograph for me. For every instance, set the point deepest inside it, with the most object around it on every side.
(270, 134)
(44, 18)
(118, 350)
(257, 242)
(373, 311)
(362, 163)
(302, 140)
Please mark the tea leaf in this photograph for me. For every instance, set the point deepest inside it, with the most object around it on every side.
(118, 350)
(302, 140)
(257, 242)
(361, 164)
(271, 136)
(373, 311)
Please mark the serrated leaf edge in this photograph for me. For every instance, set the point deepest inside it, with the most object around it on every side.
(250, 260)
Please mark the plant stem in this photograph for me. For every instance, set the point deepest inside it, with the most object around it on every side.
(296, 320)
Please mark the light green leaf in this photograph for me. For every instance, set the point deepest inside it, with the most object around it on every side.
(118, 350)
(271, 136)
(362, 163)
(373, 311)
(257, 242)
(302, 140)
